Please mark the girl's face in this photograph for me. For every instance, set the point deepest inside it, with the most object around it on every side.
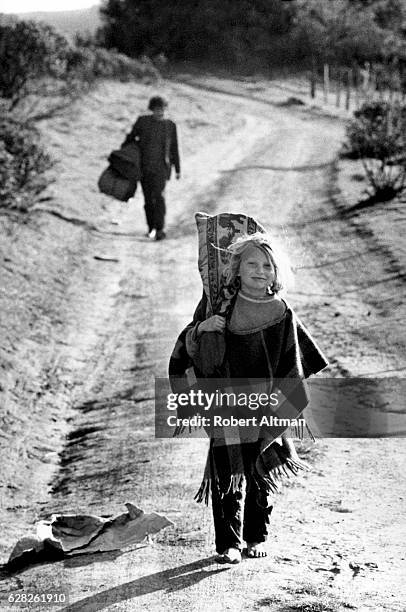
(256, 271)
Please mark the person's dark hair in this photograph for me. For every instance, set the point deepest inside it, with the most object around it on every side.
(157, 102)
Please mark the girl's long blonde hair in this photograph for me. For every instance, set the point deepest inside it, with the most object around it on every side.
(283, 272)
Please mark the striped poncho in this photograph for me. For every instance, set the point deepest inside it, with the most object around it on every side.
(292, 356)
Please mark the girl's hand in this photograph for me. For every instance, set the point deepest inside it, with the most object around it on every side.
(216, 323)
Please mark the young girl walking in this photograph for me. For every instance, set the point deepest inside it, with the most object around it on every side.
(250, 333)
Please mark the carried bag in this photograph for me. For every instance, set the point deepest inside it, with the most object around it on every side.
(210, 357)
(113, 184)
(214, 232)
(127, 161)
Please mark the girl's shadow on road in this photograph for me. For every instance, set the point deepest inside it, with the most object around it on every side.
(168, 580)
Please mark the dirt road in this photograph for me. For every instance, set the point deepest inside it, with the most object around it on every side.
(337, 541)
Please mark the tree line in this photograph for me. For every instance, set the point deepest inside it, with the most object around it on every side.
(274, 31)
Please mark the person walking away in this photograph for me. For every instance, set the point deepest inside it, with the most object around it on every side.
(158, 141)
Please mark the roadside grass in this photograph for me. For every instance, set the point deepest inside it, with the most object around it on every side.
(317, 598)
(307, 597)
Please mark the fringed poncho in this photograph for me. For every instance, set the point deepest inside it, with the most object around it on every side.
(282, 353)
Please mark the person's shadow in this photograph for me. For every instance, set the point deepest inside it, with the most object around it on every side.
(168, 580)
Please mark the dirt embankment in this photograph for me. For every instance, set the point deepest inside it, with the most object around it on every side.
(92, 310)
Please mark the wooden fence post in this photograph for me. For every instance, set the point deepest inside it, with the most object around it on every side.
(366, 79)
(356, 73)
(391, 92)
(326, 82)
(372, 84)
(313, 80)
(348, 88)
(338, 87)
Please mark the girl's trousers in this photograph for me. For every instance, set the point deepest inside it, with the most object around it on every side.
(243, 514)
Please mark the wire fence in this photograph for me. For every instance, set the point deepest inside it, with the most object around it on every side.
(349, 88)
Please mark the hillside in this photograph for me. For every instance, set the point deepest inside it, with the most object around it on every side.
(69, 22)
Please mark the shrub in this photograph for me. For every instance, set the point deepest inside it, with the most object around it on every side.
(29, 53)
(117, 65)
(41, 73)
(90, 63)
(377, 136)
(41, 69)
(22, 164)
(377, 131)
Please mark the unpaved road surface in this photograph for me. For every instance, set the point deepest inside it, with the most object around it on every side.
(338, 539)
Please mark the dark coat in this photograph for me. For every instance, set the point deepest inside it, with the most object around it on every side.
(142, 132)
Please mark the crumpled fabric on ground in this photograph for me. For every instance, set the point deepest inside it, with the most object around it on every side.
(72, 534)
